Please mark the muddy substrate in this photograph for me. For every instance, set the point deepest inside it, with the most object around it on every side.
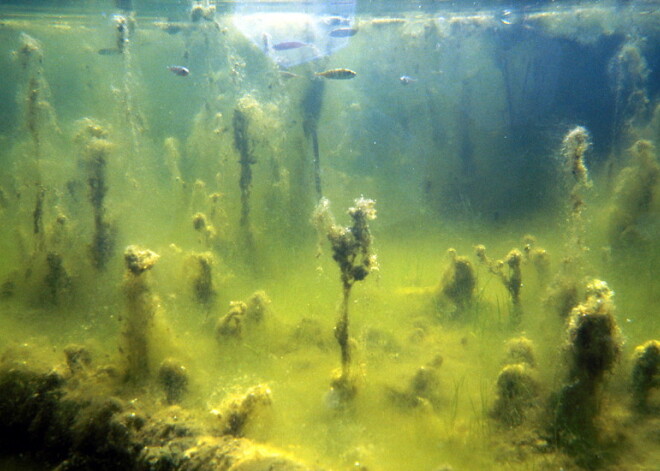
(74, 417)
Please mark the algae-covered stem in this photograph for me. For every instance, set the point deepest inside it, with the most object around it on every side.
(246, 160)
(351, 249)
(575, 145)
(141, 307)
(311, 103)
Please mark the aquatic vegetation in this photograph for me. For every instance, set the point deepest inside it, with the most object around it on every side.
(96, 150)
(231, 324)
(247, 159)
(520, 350)
(237, 410)
(424, 389)
(512, 279)
(237, 333)
(538, 257)
(202, 278)
(173, 378)
(636, 199)
(517, 386)
(312, 103)
(458, 282)
(563, 292)
(251, 313)
(202, 225)
(258, 307)
(517, 391)
(141, 307)
(351, 249)
(628, 72)
(123, 31)
(593, 346)
(58, 280)
(575, 145)
(70, 420)
(645, 375)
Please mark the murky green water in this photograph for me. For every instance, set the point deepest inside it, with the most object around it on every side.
(172, 130)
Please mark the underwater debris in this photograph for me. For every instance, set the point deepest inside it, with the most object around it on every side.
(593, 346)
(238, 410)
(646, 376)
(512, 280)
(636, 197)
(459, 281)
(351, 249)
(141, 308)
(173, 378)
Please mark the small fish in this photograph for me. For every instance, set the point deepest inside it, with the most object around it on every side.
(109, 51)
(286, 45)
(172, 28)
(335, 20)
(265, 37)
(343, 32)
(337, 74)
(179, 70)
(289, 75)
(407, 80)
(387, 21)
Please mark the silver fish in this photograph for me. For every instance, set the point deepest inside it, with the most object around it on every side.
(179, 70)
(343, 32)
(337, 74)
(407, 80)
(286, 45)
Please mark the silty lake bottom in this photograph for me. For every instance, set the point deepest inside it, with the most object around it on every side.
(432, 248)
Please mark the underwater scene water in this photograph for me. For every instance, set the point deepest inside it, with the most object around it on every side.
(352, 235)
